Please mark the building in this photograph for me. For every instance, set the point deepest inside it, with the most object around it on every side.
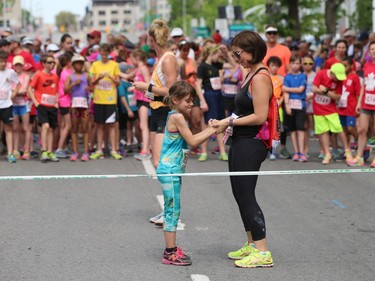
(160, 9)
(115, 15)
(13, 15)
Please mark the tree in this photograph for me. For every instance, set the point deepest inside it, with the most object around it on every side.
(363, 15)
(331, 9)
(66, 21)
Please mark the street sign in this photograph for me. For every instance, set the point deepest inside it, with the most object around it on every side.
(237, 28)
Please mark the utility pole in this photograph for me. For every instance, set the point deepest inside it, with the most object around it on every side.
(4, 20)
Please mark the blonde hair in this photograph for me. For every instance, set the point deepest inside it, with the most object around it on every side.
(159, 30)
(209, 50)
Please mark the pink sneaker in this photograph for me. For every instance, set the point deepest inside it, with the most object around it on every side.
(296, 157)
(85, 157)
(302, 158)
(356, 162)
(372, 164)
(74, 156)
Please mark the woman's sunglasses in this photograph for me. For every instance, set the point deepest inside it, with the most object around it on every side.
(308, 63)
(237, 54)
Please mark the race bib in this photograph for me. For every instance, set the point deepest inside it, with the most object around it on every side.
(19, 100)
(370, 99)
(230, 89)
(215, 83)
(149, 95)
(295, 104)
(323, 100)
(104, 85)
(132, 100)
(185, 153)
(80, 102)
(343, 102)
(4, 95)
(48, 99)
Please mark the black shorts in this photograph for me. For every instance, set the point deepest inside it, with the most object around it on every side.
(32, 118)
(47, 115)
(159, 119)
(6, 115)
(64, 110)
(296, 121)
(143, 103)
(105, 113)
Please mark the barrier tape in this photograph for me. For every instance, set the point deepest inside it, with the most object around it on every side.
(206, 174)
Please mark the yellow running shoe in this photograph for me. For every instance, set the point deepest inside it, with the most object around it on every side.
(256, 259)
(241, 253)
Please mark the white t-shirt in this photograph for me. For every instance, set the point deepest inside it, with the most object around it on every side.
(7, 78)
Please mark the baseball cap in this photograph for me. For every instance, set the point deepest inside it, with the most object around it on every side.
(124, 67)
(271, 28)
(14, 38)
(52, 48)
(27, 40)
(349, 32)
(18, 60)
(338, 69)
(95, 33)
(177, 32)
(76, 58)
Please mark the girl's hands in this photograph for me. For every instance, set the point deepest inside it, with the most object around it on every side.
(219, 125)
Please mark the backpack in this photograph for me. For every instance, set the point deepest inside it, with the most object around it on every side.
(269, 132)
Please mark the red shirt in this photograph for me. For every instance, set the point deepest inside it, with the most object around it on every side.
(28, 58)
(351, 89)
(45, 88)
(368, 99)
(324, 105)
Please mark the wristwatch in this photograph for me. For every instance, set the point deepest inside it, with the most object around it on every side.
(150, 87)
(325, 92)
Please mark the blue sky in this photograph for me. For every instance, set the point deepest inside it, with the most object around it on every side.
(47, 9)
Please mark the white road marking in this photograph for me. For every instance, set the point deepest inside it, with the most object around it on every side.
(180, 225)
(199, 277)
(149, 167)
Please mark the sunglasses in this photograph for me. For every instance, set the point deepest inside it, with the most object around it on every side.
(237, 54)
(50, 62)
(272, 33)
(308, 63)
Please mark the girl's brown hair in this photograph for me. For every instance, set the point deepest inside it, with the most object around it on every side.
(178, 91)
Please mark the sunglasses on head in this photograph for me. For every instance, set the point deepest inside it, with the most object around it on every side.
(272, 33)
(237, 54)
(308, 63)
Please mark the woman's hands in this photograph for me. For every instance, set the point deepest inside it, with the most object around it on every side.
(219, 125)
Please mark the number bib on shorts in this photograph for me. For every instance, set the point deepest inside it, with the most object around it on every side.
(80, 102)
(215, 83)
(230, 89)
(132, 100)
(370, 99)
(323, 100)
(49, 100)
(295, 104)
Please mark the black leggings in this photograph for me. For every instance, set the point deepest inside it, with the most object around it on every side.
(247, 154)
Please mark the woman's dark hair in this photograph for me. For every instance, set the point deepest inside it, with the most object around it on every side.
(64, 36)
(45, 57)
(341, 41)
(252, 43)
(64, 59)
(3, 55)
(179, 90)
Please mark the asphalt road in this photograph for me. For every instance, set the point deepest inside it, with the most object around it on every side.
(320, 227)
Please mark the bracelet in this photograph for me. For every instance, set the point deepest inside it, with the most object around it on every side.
(231, 124)
(150, 87)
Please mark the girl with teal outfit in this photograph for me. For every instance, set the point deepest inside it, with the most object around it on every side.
(177, 137)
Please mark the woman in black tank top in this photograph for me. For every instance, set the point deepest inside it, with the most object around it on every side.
(248, 152)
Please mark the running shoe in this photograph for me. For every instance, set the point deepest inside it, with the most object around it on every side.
(284, 154)
(26, 156)
(74, 157)
(246, 250)
(371, 142)
(366, 153)
(272, 157)
(356, 162)
(12, 158)
(160, 221)
(348, 155)
(202, 157)
(34, 154)
(142, 156)
(97, 155)
(321, 156)
(60, 153)
(327, 159)
(52, 157)
(84, 157)
(302, 158)
(296, 157)
(115, 155)
(16, 154)
(256, 259)
(177, 257)
(216, 150)
(157, 217)
(372, 164)
(195, 151)
(223, 157)
(44, 157)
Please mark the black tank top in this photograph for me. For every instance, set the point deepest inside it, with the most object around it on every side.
(244, 106)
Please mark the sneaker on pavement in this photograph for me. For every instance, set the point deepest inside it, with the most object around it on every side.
(284, 154)
(246, 250)
(115, 155)
(60, 153)
(44, 157)
(372, 164)
(256, 259)
(142, 156)
(16, 154)
(177, 257)
(74, 157)
(223, 157)
(321, 156)
(84, 157)
(302, 158)
(366, 153)
(202, 157)
(52, 157)
(348, 155)
(97, 155)
(159, 222)
(157, 217)
(327, 159)
(272, 157)
(26, 156)
(296, 157)
(12, 158)
(356, 162)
